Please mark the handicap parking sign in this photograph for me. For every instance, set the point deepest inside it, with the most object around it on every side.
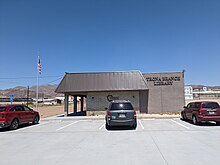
(11, 98)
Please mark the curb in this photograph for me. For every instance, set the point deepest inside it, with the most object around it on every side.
(102, 117)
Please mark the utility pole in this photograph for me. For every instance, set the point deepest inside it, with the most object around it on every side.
(27, 95)
(42, 97)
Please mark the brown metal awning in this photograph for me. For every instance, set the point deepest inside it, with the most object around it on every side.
(102, 81)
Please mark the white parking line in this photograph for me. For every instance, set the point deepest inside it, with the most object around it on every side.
(101, 126)
(67, 125)
(31, 126)
(179, 124)
(148, 119)
(141, 124)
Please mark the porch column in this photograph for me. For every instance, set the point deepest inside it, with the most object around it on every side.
(66, 104)
(82, 103)
(75, 105)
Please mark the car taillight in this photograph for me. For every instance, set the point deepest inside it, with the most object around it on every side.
(108, 113)
(135, 114)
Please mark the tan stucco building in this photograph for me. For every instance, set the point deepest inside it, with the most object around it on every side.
(148, 92)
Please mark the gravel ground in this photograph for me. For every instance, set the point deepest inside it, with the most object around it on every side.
(48, 111)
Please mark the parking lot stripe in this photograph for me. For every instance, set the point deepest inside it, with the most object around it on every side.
(101, 126)
(31, 126)
(67, 125)
(141, 124)
(179, 124)
(148, 119)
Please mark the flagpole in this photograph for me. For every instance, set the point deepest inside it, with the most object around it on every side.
(37, 80)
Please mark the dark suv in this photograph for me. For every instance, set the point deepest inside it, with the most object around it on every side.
(121, 113)
(201, 111)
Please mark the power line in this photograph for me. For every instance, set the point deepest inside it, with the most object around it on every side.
(54, 80)
(16, 78)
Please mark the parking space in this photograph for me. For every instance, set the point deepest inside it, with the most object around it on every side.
(155, 141)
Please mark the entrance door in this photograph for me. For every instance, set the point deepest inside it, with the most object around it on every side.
(143, 101)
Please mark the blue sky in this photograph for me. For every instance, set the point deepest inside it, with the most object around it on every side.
(108, 35)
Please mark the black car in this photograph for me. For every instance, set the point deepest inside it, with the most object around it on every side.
(121, 113)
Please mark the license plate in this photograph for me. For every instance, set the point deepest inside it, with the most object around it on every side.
(122, 115)
(211, 113)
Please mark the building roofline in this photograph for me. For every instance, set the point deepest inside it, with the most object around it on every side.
(160, 72)
(103, 72)
(145, 81)
(63, 79)
(104, 90)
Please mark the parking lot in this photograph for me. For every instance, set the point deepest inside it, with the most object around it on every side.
(86, 141)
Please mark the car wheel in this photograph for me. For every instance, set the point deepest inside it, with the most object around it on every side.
(36, 120)
(182, 117)
(194, 120)
(14, 124)
(107, 126)
(134, 126)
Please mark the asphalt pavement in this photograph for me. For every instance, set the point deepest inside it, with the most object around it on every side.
(64, 141)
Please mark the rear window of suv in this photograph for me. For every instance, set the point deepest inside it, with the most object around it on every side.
(121, 106)
(2, 109)
(210, 105)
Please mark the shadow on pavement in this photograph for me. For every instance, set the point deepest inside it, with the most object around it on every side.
(75, 114)
(20, 127)
(205, 124)
(120, 128)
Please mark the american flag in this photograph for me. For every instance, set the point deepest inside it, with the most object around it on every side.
(39, 65)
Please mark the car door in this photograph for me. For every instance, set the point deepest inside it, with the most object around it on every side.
(188, 110)
(191, 110)
(196, 109)
(20, 114)
(29, 114)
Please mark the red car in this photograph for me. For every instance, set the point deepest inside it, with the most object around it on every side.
(13, 115)
(201, 111)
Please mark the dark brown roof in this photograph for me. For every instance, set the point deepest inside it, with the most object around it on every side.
(102, 81)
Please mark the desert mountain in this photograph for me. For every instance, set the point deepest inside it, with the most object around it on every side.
(46, 91)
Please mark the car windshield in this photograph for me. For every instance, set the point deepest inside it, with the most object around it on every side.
(2, 109)
(124, 106)
(210, 105)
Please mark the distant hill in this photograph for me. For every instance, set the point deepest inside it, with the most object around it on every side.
(21, 92)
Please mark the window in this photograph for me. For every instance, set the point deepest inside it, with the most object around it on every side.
(190, 105)
(2, 109)
(27, 109)
(197, 105)
(193, 105)
(13, 109)
(124, 106)
(17, 108)
(210, 105)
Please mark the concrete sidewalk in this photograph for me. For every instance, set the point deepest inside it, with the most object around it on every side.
(102, 117)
